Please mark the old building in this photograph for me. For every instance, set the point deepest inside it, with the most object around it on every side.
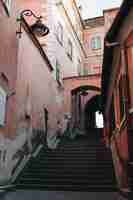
(64, 46)
(32, 71)
(85, 87)
(95, 30)
(31, 98)
(44, 78)
(117, 93)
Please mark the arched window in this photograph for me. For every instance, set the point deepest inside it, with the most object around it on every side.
(96, 43)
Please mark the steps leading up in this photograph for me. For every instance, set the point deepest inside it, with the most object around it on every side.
(82, 164)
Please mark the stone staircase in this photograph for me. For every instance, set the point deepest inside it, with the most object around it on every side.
(82, 164)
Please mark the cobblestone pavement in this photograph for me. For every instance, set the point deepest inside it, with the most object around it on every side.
(44, 195)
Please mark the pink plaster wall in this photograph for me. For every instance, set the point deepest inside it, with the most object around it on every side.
(36, 88)
(8, 64)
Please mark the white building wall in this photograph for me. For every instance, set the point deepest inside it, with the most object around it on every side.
(57, 51)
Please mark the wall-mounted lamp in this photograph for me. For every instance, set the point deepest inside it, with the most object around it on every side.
(38, 28)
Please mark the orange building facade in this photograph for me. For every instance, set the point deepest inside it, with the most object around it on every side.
(117, 93)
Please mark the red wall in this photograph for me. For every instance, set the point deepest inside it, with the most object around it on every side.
(120, 133)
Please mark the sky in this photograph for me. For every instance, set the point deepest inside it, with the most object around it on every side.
(94, 8)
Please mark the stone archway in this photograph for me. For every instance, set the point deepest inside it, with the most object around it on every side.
(79, 97)
(93, 82)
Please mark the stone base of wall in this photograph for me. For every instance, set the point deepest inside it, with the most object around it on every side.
(8, 158)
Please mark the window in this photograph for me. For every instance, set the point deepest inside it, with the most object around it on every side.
(2, 106)
(96, 43)
(70, 49)
(59, 33)
(7, 5)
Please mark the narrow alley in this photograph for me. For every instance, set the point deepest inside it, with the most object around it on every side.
(83, 164)
(80, 164)
(66, 99)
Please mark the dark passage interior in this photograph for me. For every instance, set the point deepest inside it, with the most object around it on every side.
(92, 117)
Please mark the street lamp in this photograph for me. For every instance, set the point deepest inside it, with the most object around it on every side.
(38, 28)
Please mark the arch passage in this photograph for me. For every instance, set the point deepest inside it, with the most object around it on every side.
(91, 107)
(79, 98)
(74, 85)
